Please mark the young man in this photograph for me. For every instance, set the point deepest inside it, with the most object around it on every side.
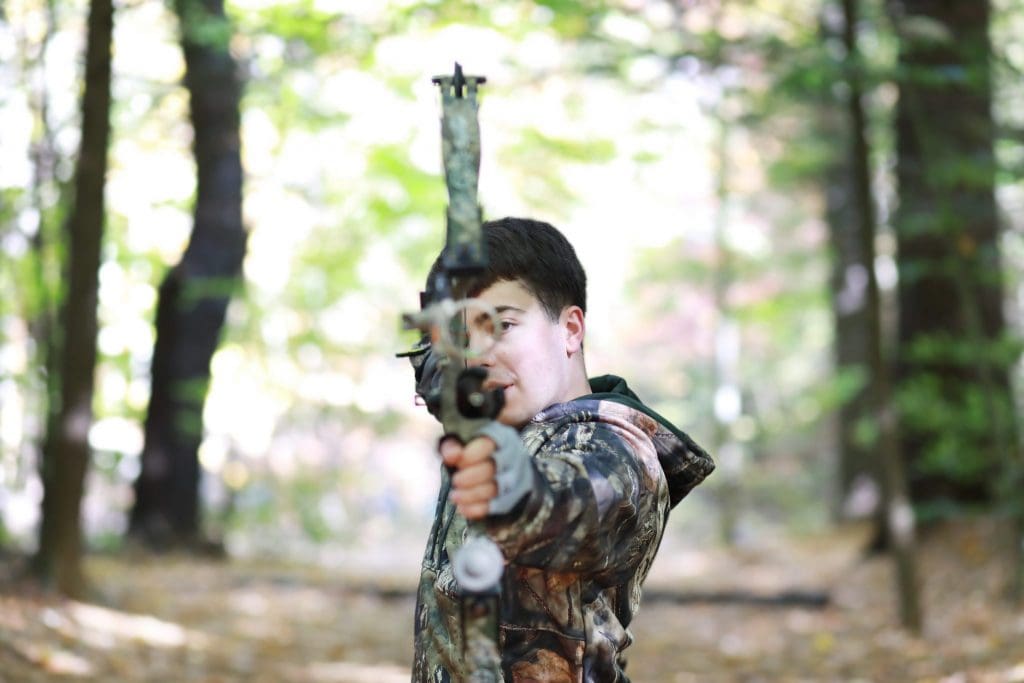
(598, 474)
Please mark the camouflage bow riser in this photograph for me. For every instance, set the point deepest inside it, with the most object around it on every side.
(465, 407)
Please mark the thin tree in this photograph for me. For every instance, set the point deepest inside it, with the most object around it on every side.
(726, 344)
(899, 511)
(66, 451)
(194, 295)
(857, 461)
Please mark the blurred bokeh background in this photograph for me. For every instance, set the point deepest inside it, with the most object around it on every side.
(803, 226)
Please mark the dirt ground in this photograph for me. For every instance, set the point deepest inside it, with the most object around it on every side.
(809, 609)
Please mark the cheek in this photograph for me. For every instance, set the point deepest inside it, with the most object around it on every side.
(513, 355)
(542, 376)
(531, 359)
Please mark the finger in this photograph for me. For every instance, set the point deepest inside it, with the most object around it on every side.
(475, 494)
(479, 450)
(451, 452)
(474, 475)
(473, 511)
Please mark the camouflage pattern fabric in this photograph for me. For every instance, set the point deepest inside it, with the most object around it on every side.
(578, 547)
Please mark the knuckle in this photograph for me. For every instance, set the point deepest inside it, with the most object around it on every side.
(482, 447)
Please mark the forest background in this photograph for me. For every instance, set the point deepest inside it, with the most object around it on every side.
(802, 223)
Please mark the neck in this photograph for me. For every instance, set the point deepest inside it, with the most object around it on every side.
(579, 385)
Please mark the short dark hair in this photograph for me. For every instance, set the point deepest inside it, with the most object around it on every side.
(536, 254)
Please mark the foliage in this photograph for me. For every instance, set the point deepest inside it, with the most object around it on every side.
(346, 213)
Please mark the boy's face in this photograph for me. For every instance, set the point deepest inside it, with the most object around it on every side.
(533, 357)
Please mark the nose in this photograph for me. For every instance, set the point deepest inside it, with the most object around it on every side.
(480, 350)
(480, 346)
(480, 325)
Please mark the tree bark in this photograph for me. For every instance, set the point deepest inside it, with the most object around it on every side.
(66, 453)
(727, 343)
(950, 282)
(194, 295)
(899, 518)
(857, 461)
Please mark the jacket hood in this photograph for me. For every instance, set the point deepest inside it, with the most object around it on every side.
(684, 462)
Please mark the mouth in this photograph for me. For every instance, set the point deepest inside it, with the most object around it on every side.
(491, 385)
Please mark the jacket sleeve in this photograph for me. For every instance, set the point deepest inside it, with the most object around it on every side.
(594, 506)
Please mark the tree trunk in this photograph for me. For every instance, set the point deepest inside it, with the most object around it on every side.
(66, 453)
(727, 350)
(950, 285)
(195, 293)
(858, 474)
(899, 512)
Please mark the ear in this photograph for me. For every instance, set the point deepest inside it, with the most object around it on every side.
(574, 327)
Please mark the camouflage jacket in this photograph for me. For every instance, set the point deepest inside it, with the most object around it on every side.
(606, 472)
(577, 548)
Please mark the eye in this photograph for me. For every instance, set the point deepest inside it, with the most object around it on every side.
(507, 325)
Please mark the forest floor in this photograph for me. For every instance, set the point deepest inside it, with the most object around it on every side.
(745, 615)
